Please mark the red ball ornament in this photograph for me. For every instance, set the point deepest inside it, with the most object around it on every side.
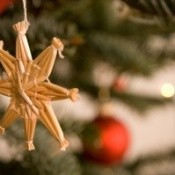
(105, 141)
(120, 83)
(4, 4)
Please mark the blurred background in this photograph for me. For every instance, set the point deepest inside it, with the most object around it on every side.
(121, 55)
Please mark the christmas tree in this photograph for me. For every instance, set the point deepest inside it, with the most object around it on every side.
(108, 44)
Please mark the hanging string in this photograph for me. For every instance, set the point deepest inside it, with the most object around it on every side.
(25, 10)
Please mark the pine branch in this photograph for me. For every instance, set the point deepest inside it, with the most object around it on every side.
(124, 54)
(135, 101)
(161, 8)
(141, 103)
(162, 163)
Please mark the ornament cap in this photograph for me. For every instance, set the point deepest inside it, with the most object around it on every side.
(107, 109)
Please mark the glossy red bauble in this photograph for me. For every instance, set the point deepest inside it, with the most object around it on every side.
(107, 141)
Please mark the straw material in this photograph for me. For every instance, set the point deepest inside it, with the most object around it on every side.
(30, 90)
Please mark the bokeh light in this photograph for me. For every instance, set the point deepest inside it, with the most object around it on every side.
(167, 90)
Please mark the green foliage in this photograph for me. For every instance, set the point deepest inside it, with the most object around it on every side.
(92, 31)
(161, 8)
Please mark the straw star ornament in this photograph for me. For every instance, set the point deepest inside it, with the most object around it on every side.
(30, 90)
